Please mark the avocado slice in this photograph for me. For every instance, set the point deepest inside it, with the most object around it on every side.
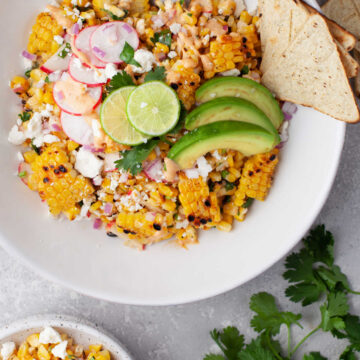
(243, 88)
(247, 138)
(228, 108)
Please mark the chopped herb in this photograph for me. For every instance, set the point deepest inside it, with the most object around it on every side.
(47, 80)
(176, 216)
(189, 14)
(227, 199)
(248, 203)
(34, 147)
(35, 66)
(27, 73)
(120, 80)
(71, 357)
(229, 186)
(245, 70)
(92, 358)
(157, 74)
(182, 2)
(165, 168)
(224, 174)
(22, 174)
(127, 55)
(64, 53)
(132, 159)
(115, 17)
(24, 116)
(211, 186)
(163, 37)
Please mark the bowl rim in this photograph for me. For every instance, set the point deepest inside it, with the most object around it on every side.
(66, 321)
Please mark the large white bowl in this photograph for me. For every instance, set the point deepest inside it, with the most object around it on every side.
(81, 331)
(90, 262)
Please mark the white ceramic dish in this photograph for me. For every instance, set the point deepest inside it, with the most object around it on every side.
(88, 261)
(82, 332)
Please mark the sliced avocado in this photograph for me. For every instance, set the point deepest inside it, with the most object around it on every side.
(228, 108)
(243, 88)
(247, 138)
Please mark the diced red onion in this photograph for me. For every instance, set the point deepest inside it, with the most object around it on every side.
(99, 51)
(161, 56)
(56, 127)
(108, 209)
(128, 28)
(154, 170)
(75, 29)
(29, 56)
(150, 216)
(287, 116)
(93, 149)
(97, 223)
(289, 108)
(225, 27)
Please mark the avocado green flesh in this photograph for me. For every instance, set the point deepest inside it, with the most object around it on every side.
(246, 138)
(242, 88)
(228, 108)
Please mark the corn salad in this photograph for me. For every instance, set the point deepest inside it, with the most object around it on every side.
(193, 44)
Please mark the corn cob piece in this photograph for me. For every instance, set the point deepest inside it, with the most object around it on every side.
(199, 204)
(41, 41)
(144, 227)
(256, 177)
(57, 183)
(186, 84)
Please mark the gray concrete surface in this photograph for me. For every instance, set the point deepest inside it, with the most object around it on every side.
(181, 332)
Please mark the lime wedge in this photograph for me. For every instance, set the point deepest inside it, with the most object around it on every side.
(153, 108)
(114, 120)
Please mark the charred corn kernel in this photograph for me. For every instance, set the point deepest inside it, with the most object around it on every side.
(72, 212)
(240, 216)
(33, 340)
(95, 347)
(230, 208)
(199, 205)
(254, 20)
(256, 177)
(215, 176)
(169, 205)
(19, 84)
(224, 226)
(99, 8)
(161, 48)
(42, 353)
(152, 156)
(71, 145)
(56, 181)
(230, 178)
(167, 190)
(245, 17)
(30, 156)
(187, 236)
(149, 34)
(235, 172)
(226, 7)
(102, 355)
(41, 41)
(96, 206)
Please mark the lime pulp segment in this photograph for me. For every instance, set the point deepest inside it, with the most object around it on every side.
(153, 108)
(114, 120)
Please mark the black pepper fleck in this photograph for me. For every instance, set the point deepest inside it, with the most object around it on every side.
(191, 218)
(46, 180)
(251, 173)
(62, 168)
(207, 203)
(157, 227)
(203, 221)
(174, 86)
(272, 157)
(126, 231)
(56, 171)
(192, 83)
(45, 168)
(111, 234)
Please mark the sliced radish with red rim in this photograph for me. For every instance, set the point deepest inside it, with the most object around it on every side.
(154, 170)
(108, 40)
(24, 172)
(68, 98)
(82, 43)
(56, 62)
(77, 129)
(84, 74)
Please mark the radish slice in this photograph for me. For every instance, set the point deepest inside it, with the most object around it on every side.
(56, 62)
(77, 129)
(24, 168)
(84, 74)
(154, 170)
(63, 97)
(107, 41)
(82, 43)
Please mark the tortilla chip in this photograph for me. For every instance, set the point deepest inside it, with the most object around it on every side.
(357, 79)
(310, 73)
(350, 64)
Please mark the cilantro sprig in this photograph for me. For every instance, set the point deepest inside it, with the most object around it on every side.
(120, 80)
(157, 74)
(25, 116)
(65, 52)
(312, 275)
(163, 37)
(127, 55)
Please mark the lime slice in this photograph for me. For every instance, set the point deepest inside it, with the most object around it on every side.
(114, 120)
(153, 108)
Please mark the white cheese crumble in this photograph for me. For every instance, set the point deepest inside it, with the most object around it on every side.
(49, 336)
(59, 39)
(96, 128)
(157, 23)
(203, 166)
(34, 127)
(88, 164)
(146, 59)
(7, 350)
(110, 71)
(182, 224)
(19, 156)
(47, 139)
(110, 160)
(172, 54)
(59, 350)
(140, 26)
(16, 136)
(55, 76)
(192, 173)
(216, 155)
(175, 28)
(85, 208)
(232, 72)
(97, 180)
(27, 63)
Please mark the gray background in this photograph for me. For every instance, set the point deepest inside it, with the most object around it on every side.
(181, 332)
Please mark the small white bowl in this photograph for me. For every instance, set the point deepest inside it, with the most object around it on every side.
(81, 331)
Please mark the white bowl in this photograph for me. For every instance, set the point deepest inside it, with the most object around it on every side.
(81, 331)
(88, 261)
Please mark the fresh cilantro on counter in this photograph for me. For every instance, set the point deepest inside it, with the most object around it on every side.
(132, 159)
(127, 55)
(312, 275)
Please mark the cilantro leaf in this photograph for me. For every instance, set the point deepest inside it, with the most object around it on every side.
(115, 17)
(24, 116)
(214, 357)
(163, 37)
(331, 312)
(157, 74)
(132, 159)
(121, 79)
(230, 341)
(47, 80)
(34, 147)
(349, 354)
(127, 55)
(304, 293)
(268, 317)
(248, 203)
(65, 51)
(333, 278)
(255, 351)
(314, 356)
